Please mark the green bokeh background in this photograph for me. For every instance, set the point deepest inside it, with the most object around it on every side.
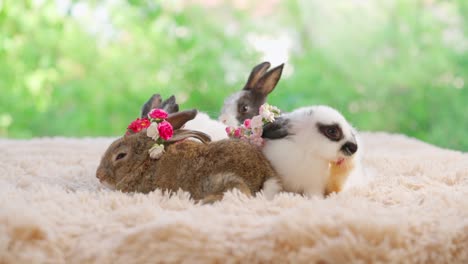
(84, 68)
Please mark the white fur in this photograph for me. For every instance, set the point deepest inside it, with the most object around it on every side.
(302, 159)
(217, 129)
(229, 110)
(271, 187)
(108, 185)
(202, 122)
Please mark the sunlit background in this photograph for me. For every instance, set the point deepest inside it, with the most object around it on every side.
(84, 68)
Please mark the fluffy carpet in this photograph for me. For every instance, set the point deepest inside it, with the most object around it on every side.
(409, 204)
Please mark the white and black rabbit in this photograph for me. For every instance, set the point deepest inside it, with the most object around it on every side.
(313, 149)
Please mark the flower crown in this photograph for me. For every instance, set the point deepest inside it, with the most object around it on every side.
(157, 128)
(252, 129)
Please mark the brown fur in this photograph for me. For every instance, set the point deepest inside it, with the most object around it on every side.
(206, 171)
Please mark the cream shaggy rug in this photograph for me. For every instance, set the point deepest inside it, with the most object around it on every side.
(409, 204)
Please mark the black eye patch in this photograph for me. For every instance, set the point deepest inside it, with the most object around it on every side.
(332, 132)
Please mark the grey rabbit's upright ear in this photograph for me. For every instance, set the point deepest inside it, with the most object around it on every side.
(255, 75)
(154, 102)
(268, 81)
(179, 119)
(277, 129)
(170, 105)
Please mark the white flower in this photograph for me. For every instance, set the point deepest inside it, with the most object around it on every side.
(152, 131)
(268, 116)
(269, 112)
(275, 110)
(156, 151)
(266, 113)
(256, 122)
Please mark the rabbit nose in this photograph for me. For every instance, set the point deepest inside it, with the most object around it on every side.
(349, 148)
(100, 173)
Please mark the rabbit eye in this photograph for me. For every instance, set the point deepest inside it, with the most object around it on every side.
(332, 132)
(244, 109)
(120, 156)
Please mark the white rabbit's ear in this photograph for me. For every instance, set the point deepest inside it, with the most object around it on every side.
(179, 119)
(153, 102)
(255, 75)
(277, 129)
(268, 81)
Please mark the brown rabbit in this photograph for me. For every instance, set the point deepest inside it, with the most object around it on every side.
(205, 170)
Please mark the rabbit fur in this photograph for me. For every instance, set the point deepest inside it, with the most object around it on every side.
(240, 105)
(205, 170)
(313, 149)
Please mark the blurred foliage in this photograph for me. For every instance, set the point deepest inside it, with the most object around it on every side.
(84, 68)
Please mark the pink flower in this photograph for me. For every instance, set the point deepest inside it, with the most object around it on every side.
(256, 122)
(165, 130)
(237, 133)
(157, 114)
(139, 124)
(257, 131)
(256, 140)
(247, 123)
(229, 130)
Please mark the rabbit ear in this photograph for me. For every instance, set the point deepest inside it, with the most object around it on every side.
(256, 74)
(170, 105)
(183, 134)
(277, 129)
(268, 81)
(179, 119)
(153, 102)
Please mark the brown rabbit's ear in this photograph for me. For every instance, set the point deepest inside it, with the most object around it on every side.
(257, 73)
(170, 105)
(179, 119)
(153, 102)
(268, 81)
(183, 134)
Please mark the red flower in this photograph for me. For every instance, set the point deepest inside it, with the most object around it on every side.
(144, 123)
(165, 130)
(157, 114)
(139, 124)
